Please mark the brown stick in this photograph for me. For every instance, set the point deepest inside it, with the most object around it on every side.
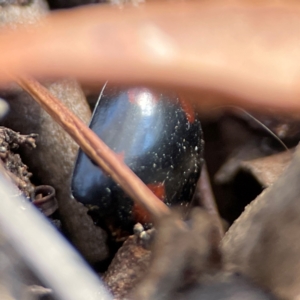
(96, 149)
(206, 199)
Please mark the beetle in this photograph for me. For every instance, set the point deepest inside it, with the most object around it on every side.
(158, 135)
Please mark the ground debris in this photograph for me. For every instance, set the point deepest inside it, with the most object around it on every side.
(182, 254)
(225, 286)
(16, 170)
(127, 268)
(13, 140)
(43, 197)
(186, 263)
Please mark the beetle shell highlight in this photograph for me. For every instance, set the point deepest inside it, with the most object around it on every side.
(158, 136)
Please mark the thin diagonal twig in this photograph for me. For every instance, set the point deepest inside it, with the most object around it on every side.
(206, 199)
(95, 148)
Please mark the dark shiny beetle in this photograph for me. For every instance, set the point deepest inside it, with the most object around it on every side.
(157, 135)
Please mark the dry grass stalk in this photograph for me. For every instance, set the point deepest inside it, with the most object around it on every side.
(95, 148)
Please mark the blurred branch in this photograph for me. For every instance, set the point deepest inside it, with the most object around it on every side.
(205, 197)
(249, 52)
(44, 250)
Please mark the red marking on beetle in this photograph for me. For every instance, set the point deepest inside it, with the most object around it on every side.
(139, 213)
(133, 93)
(188, 109)
(158, 189)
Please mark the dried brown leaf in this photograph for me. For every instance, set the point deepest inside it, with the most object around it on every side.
(264, 242)
(267, 169)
